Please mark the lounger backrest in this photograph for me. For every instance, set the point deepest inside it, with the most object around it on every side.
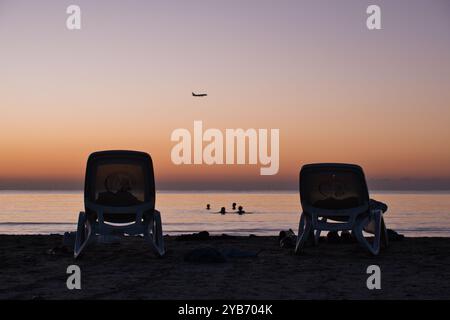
(119, 179)
(333, 186)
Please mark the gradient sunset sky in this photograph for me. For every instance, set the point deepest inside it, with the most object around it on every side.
(337, 91)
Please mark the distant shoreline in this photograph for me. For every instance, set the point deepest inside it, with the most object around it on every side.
(397, 191)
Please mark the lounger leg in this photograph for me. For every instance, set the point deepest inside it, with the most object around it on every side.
(84, 232)
(375, 227)
(154, 234)
(384, 234)
(304, 229)
(317, 233)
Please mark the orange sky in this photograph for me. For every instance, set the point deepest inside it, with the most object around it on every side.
(336, 91)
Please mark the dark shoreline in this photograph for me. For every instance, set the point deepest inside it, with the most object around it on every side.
(34, 267)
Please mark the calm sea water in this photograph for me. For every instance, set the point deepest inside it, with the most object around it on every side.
(413, 214)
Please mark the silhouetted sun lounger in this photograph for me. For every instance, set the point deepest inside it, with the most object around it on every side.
(119, 198)
(338, 193)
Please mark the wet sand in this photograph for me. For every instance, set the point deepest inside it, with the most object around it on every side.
(414, 268)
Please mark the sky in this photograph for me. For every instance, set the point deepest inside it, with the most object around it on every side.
(337, 91)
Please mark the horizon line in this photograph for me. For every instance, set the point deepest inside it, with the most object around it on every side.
(291, 190)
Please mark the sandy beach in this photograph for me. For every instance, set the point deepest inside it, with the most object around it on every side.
(34, 267)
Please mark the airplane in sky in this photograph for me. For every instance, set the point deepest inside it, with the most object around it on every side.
(199, 94)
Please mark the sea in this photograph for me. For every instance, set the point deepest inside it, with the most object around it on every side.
(415, 214)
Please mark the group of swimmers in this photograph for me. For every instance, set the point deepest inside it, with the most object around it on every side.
(240, 209)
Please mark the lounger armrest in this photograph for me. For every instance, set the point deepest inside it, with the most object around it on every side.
(350, 215)
(156, 213)
(335, 212)
(373, 212)
(373, 215)
(120, 210)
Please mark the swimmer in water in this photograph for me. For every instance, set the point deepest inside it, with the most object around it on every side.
(208, 206)
(222, 210)
(240, 210)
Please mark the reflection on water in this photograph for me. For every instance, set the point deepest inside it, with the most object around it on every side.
(414, 214)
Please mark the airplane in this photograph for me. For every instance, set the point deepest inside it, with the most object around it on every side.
(199, 94)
